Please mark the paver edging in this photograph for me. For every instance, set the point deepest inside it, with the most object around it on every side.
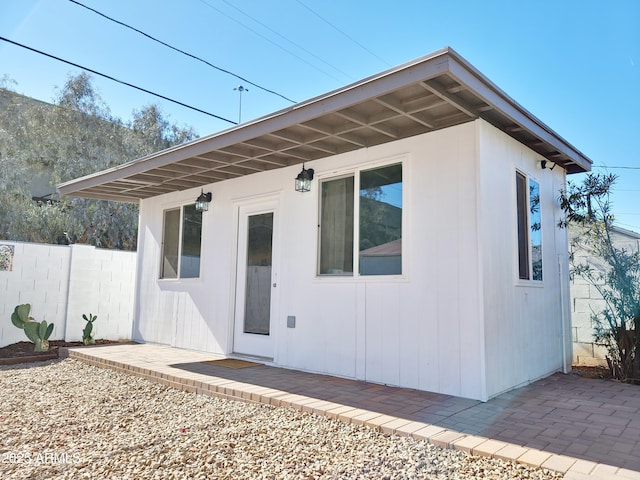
(467, 443)
(446, 439)
(427, 432)
(559, 463)
(534, 457)
(510, 452)
(488, 448)
(583, 466)
(40, 357)
(470, 444)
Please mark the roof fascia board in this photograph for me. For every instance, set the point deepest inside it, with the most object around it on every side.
(627, 232)
(467, 74)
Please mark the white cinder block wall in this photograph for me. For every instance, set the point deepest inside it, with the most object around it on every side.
(586, 299)
(63, 282)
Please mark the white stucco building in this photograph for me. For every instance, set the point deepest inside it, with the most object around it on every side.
(425, 255)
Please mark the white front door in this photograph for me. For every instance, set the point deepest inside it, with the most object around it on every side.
(255, 281)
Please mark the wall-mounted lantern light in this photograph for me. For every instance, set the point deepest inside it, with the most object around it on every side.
(545, 164)
(203, 200)
(303, 180)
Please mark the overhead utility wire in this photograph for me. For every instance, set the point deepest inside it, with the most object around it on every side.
(286, 39)
(270, 41)
(343, 33)
(116, 80)
(183, 52)
(620, 168)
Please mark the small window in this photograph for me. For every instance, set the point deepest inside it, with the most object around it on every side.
(336, 227)
(529, 228)
(372, 199)
(181, 243)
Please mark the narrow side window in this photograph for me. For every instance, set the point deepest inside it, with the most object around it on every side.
(535, 226)
(170, 244)
(529, 228)
(523, 231)
(191, 242)
(336, 227)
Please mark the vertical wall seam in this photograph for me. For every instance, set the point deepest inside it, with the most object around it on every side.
(68, 299)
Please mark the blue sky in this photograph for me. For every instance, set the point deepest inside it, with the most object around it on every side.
(575, 64)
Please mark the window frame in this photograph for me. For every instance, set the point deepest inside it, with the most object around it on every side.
(355, 173)
(526, 246)
(180, 235)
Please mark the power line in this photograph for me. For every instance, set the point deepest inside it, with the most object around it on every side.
(182, 51)
(343, 33)
(269, 40)
(116, 80)
(616, 168)
(286, 39)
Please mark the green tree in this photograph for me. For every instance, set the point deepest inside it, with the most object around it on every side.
(154, 131)
(75, 136)
(588, 210)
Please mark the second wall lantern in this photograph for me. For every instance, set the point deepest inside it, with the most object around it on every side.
(203, 200)
(303, 180)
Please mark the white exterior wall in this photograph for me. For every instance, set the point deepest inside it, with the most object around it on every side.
(63, 282)
(423, 330)
(526, 322)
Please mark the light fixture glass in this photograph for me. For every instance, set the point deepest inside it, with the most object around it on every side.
(203, 200)
(303, 180)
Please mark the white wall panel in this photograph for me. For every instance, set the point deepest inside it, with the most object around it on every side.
(383, 322)
(523, 320)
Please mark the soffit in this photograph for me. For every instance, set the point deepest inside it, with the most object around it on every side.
(437, 91)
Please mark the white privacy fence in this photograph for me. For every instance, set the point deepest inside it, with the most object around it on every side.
(61, 283)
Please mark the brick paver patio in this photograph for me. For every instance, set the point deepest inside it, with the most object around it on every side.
(583, 427)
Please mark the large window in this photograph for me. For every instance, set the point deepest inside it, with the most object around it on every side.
(378, 204)
(529, 228)
(181, 243)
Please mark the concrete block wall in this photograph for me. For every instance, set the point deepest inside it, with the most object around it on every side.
(586, 300)
(63, 282)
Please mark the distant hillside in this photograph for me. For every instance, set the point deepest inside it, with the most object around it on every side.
(12, 99)
(12, 103)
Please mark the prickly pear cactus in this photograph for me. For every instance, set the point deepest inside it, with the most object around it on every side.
(38, 333)
(20, 315)
(87, 332)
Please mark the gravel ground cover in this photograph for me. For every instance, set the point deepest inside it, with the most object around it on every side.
(63, 419)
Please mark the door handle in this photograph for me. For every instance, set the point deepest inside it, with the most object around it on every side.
(275, 284)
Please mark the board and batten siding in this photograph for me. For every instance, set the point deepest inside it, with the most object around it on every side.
(526, 322)
(424, 329)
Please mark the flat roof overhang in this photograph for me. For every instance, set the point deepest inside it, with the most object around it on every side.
(437, 91)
